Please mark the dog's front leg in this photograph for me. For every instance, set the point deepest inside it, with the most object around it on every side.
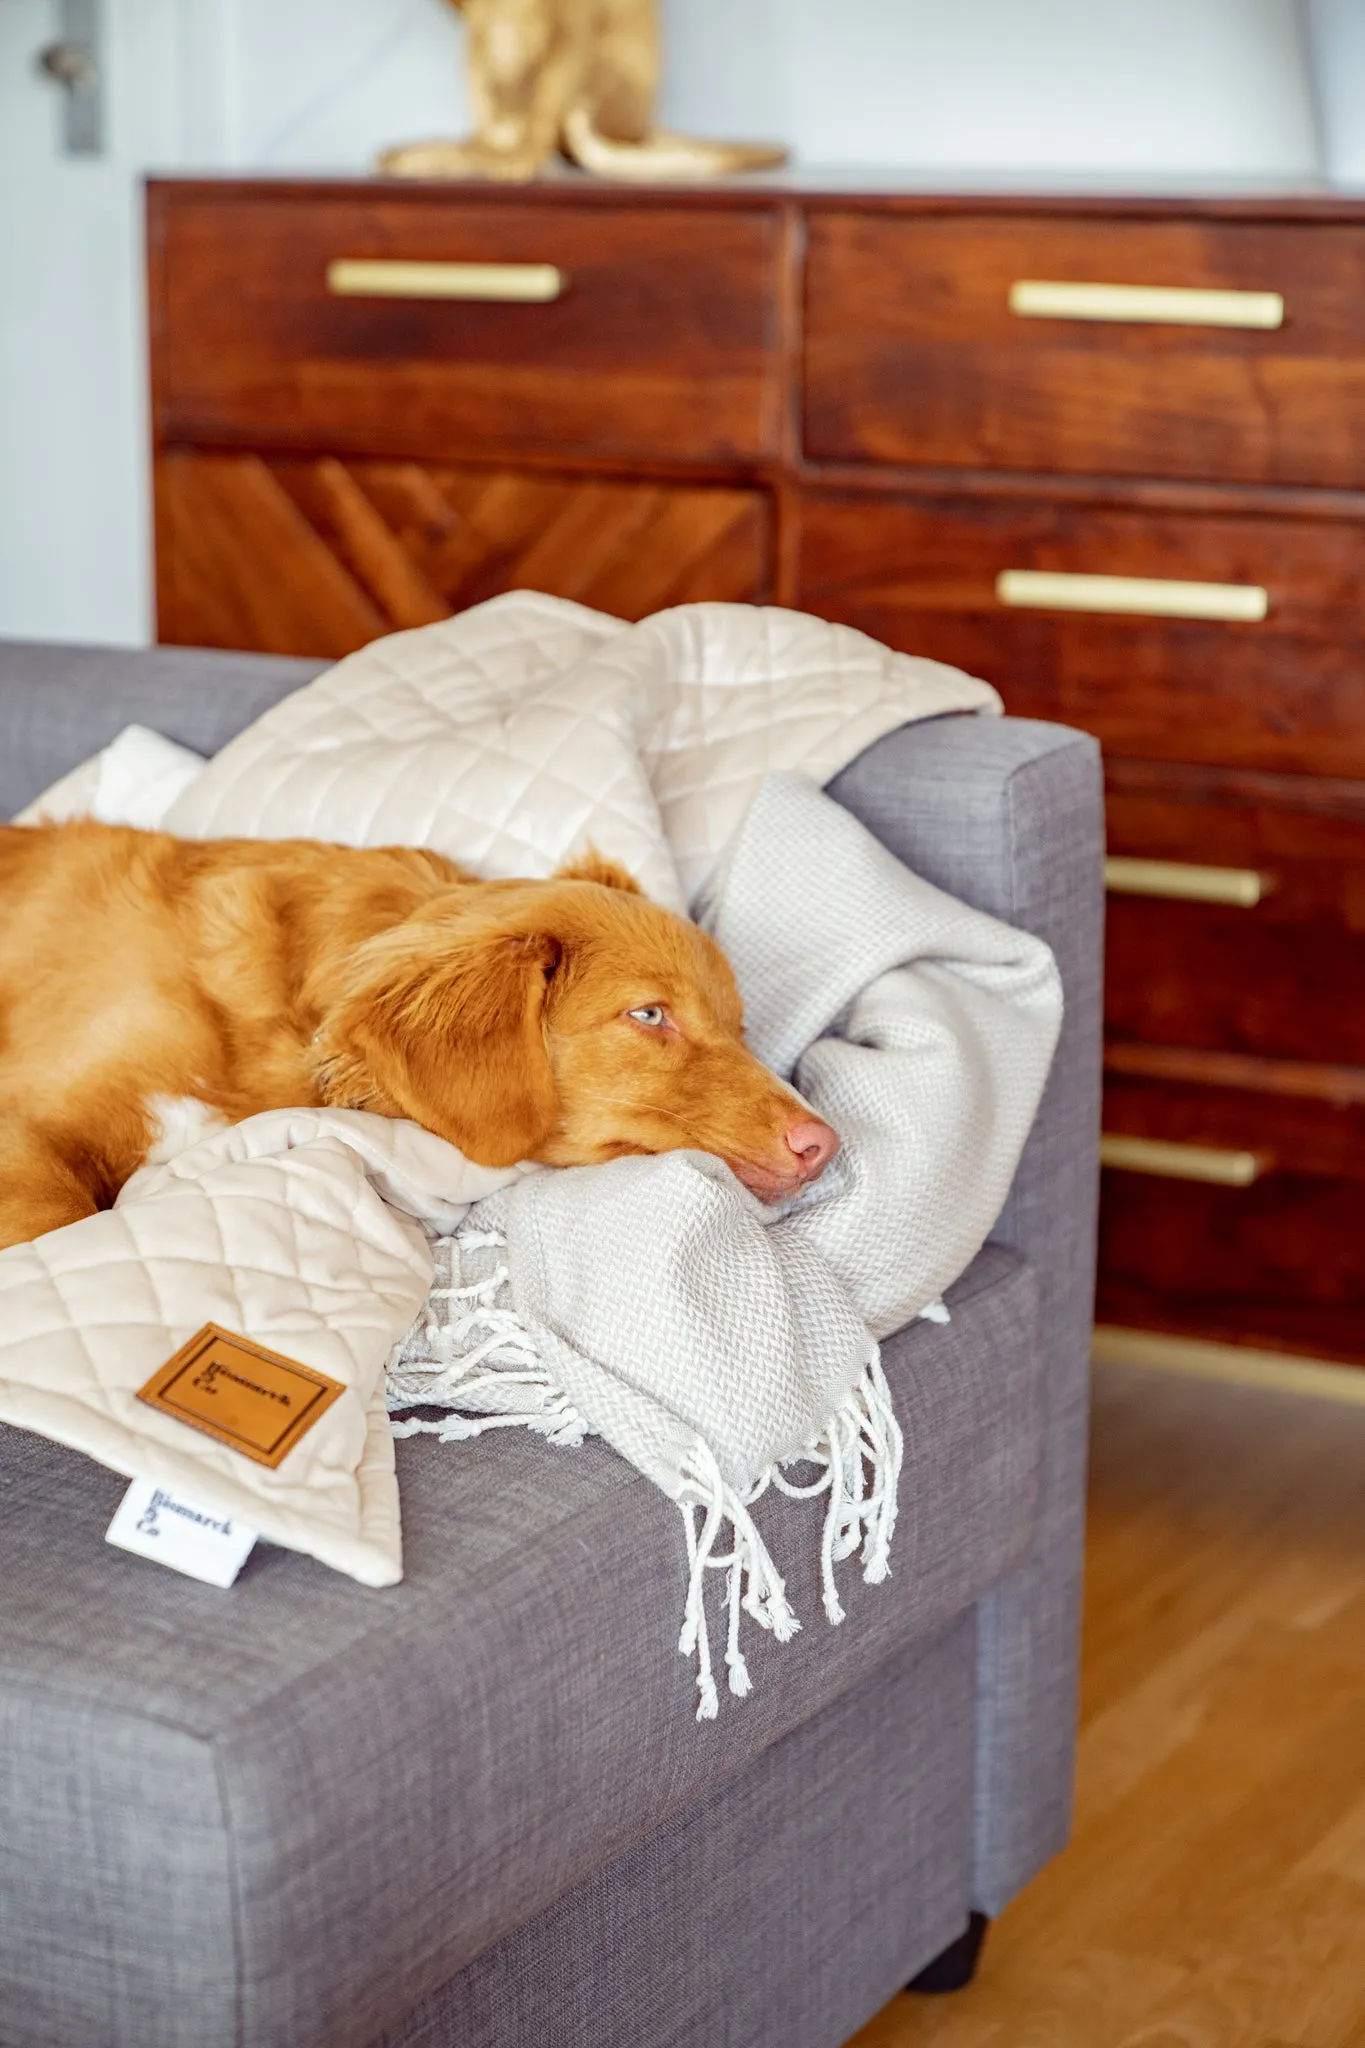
(39, 1190)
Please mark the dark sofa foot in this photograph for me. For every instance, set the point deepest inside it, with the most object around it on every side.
(954, 1966)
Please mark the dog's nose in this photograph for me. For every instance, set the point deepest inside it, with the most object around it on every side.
(814, 1144)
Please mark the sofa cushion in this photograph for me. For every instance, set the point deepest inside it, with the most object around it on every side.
(283, 1813)
(59, 705)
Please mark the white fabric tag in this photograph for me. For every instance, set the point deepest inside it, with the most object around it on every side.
(162, 1525)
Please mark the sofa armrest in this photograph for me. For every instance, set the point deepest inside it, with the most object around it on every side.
(59, 705)
(1005, 813)
(1008, 814)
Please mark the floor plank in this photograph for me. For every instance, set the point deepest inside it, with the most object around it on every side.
(1213, 1895)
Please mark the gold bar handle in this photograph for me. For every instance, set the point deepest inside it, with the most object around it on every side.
(1181, 1162)
(1147, 596)
(1183, 882)
(522, 284)
(1039, 298)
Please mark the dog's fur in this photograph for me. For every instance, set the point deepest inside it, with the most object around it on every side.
(137, 970)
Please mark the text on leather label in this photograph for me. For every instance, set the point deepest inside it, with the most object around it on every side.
(251, 1399)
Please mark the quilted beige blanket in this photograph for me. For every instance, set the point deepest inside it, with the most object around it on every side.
(515, 734)
(508, 738)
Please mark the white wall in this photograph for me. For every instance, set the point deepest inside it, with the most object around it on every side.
(323, 84)
(1171, 87)
(1004, 89)
(1336, 31)
(72, 512)
(1193, 87)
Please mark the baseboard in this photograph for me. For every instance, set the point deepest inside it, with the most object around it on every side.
(1285, 1372)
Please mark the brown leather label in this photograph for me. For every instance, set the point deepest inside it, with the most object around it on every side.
(255, 1401)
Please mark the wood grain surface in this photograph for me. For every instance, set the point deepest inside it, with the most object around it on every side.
(1303, 1080)
(1213, 1895)
(781, 391)
(1277, 1264)
(914, 356)
(661, 346)
(1284, 978)
(1276, 980)
(1283, 693)
(321, 556)
(814, 190)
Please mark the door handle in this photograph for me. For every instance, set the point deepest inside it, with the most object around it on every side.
(1040, 298)
(365, 277)
(1149, 596)
(1185, 882)
(1210, 1163)
(73, 62)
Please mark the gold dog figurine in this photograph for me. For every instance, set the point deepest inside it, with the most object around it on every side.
(577, 76)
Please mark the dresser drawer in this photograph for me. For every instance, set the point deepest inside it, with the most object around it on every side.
(915, 356)
(933, 575)
(1236, 916)
(293, 319)
(1272, 1255)
(298, 554)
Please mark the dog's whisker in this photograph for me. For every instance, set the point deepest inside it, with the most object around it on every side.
(623, 1102)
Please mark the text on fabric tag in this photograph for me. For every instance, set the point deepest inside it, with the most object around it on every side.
(154, 1522)
(255, 1401)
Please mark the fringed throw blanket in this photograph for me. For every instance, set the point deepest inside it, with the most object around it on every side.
(722, 1346)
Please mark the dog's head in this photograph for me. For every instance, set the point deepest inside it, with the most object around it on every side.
(570, 1022)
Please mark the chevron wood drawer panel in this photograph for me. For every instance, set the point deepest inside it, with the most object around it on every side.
(319, 556)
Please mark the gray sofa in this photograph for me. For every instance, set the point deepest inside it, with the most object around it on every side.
(475, 1809)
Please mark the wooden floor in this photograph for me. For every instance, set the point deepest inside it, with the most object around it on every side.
(1213, 1895)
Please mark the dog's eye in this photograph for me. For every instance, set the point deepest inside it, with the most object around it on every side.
(652, 1014)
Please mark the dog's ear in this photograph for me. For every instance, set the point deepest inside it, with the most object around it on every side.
(595, 867)
(444, 1025)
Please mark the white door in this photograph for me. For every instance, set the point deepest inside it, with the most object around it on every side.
(74, 542)
(188, 85)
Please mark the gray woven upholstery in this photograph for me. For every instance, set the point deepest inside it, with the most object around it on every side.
(839, 1854)
(405, 1776)
(475, 1809)
(1009, 816)
(59, 705)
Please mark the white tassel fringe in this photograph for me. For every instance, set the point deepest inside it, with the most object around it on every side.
(501, 1377)
(504, 1345)
(861, 1452)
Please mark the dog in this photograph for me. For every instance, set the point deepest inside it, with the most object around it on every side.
(152, 988)
(577, 76)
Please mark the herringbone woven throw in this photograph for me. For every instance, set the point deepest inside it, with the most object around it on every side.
(723, 1346)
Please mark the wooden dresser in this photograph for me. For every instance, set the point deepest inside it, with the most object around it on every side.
(1140, 511)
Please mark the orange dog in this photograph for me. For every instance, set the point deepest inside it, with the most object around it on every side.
(567, 1021)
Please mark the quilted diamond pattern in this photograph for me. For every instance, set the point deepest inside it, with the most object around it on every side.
(302, 1228)
(513, 735)
(507, 738)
